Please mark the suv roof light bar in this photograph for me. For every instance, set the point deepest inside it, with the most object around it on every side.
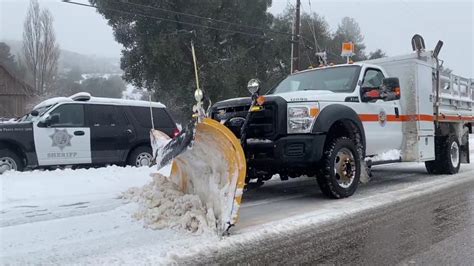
(81, 96)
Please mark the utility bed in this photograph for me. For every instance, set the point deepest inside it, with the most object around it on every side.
(417, 74)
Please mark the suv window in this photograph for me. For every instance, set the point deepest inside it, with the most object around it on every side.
(373, 78)
(104, 115)
(70, 115)
(161, 118)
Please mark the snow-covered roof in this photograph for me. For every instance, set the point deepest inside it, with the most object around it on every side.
(100, 100)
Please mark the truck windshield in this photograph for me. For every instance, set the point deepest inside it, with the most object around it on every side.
(335, 79)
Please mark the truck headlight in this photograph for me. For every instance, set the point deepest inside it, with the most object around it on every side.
(301, 117)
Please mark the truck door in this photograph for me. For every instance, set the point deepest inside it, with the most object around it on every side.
(109, 138)
(62, 138)
(381, 119)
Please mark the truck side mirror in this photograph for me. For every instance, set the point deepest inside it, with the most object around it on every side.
(34, 113)
(369, 94)
(390, 89)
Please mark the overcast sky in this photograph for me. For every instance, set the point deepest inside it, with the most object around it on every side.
(386, 24)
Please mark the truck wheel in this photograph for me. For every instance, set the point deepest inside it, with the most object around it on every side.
(448, 157)
(140, 156)
(10, 161)
(339, 173)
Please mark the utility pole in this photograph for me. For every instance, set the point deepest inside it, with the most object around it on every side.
(295, 44)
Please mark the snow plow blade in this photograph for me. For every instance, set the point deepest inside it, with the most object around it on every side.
(211, 166)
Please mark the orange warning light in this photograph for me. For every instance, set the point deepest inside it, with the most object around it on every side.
(348, 49)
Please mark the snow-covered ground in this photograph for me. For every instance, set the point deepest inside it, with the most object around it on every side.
(74, 216)
(61, 186)
(7, 120)
(78, 216)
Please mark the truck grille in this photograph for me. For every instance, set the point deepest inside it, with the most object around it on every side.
(262, 124)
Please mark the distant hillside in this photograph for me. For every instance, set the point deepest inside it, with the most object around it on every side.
(89, 63)
(69, 60)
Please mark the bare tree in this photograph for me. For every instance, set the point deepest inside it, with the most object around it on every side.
(50, 52)
(40, 50)
(31, 40)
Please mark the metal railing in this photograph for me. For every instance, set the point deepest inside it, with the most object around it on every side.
(456, 92)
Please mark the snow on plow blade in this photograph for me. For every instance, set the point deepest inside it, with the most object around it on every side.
(213, 167)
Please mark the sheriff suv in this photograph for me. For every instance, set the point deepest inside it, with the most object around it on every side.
(82, 130)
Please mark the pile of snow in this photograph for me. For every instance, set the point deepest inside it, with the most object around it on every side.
(163, 205)
(205, 171)
(158, 142)
(390, 155)
(60, 185)
(8, 120)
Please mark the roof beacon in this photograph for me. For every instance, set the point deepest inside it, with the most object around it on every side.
(348, 51)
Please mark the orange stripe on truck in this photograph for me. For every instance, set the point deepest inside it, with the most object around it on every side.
(368, 118)
(394, 118)
(455, 118)
(412, 118)
(419, 117)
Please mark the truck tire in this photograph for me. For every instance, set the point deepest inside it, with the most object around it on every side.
(448, 157)
(432, 167)
(339, 173)
(140, 156)
(9, 160)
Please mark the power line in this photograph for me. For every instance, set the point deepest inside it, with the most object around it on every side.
(187, 23)
(312, 27)
(208, 19)
(169, 20)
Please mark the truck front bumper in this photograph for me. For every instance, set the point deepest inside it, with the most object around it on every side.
(292, 154)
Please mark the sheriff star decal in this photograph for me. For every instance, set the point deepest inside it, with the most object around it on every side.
(61, 139)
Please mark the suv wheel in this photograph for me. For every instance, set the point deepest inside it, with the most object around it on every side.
(10, 161)
(340, 170)
(141, 156)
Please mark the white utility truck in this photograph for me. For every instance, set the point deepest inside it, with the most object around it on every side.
(333, 122)
(326, 121)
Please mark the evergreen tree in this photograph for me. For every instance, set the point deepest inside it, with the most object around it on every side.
(111, 87)
(347, 31)
(157, 53)
(156, 36)
(7, 59)
(316, 37)
(377, 54)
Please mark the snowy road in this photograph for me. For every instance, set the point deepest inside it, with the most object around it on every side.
(412, 219)
(77, 217)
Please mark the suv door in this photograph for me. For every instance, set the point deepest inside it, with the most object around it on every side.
(109, 129)
(66, 139)
(381, 119)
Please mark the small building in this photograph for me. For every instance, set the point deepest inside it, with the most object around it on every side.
(15, 94)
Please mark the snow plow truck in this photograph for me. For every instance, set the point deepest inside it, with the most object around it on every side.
(332, 122)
